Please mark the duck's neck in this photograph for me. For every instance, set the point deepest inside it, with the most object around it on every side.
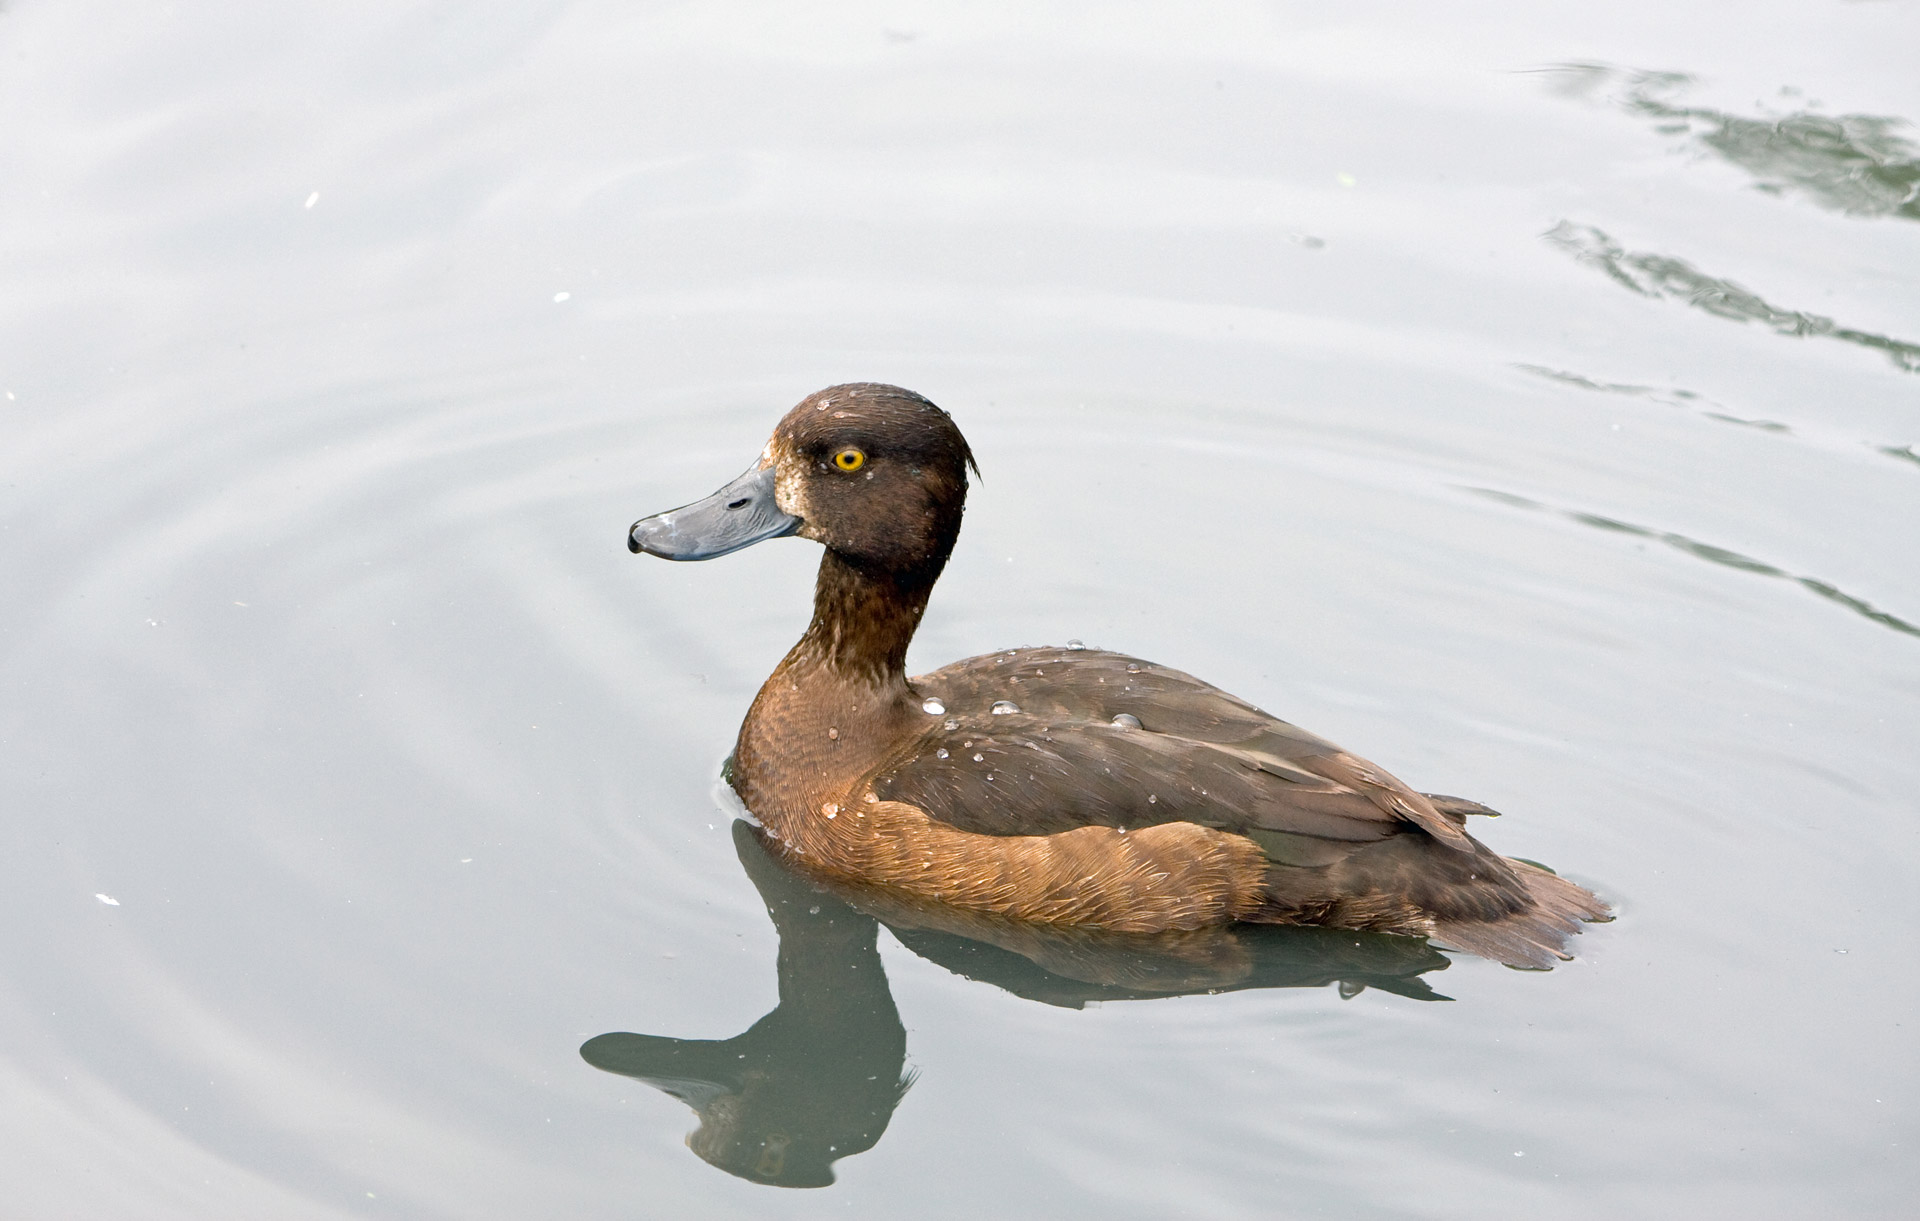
(862, 624)
(833, 708)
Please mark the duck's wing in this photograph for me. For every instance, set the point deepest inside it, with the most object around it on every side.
(1087, 737)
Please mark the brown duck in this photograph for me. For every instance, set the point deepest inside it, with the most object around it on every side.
(1066, 786)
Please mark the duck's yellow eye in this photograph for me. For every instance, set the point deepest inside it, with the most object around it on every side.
(849, 459)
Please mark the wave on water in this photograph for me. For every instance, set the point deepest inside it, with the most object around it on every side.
(1858, 164)
(1712, 554)
(1659, 275)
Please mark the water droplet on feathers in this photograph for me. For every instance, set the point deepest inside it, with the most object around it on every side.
(941, 753)
(1076, 645)
(979, 758)
(1133, 667)
(1127, 720)
(933, 707)
(1003, 707)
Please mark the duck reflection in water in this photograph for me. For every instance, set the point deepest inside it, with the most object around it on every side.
(818, 1078)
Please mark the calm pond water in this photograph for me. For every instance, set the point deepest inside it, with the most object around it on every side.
(1527, 398)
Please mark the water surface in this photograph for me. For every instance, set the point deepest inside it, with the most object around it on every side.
(1528, 403)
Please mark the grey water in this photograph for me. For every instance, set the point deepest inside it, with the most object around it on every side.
(1526, 397)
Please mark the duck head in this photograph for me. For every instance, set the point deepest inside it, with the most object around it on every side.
(876, 473)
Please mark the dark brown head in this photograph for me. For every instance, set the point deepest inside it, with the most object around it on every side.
(876, 473)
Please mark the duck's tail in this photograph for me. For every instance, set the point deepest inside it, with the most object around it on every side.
(1534, 937)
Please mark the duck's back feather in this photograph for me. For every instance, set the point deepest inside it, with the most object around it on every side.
(1193, 754)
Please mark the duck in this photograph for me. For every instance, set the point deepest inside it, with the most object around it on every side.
(1058, 786)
